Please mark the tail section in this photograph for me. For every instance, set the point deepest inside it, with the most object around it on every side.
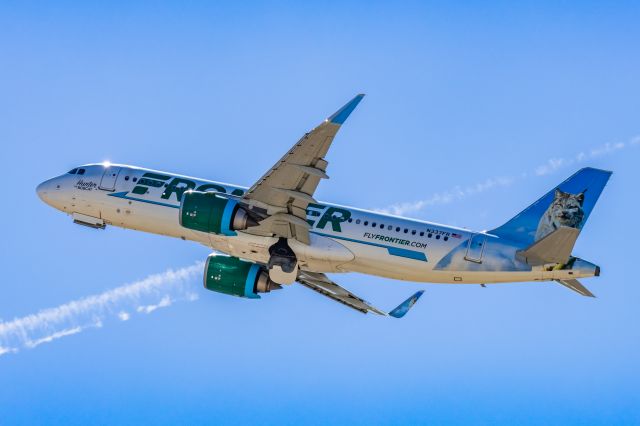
(566, 206)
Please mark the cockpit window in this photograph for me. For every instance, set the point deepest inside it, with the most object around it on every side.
(80, 171)
(72, 172)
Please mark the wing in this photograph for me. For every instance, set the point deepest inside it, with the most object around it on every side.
(323, 285)
(285, 191)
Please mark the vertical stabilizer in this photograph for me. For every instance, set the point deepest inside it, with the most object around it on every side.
(568, 205)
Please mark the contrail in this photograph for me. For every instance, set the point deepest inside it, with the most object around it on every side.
(550, 166)
(446, 197)
(140, 297)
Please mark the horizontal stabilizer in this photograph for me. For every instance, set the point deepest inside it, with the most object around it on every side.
(553, 248)
(402, 309)
(576, 286)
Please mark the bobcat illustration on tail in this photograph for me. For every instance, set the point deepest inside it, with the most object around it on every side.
(567, 205)
(565, 210)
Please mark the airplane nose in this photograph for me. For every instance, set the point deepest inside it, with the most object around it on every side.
(44, 191)
(41, 191)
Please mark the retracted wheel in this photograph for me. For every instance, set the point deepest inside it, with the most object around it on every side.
(283, 263)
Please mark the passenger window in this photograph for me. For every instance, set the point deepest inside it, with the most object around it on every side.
(429, 236)
(126, 178)
(446, 238)
(390, 228)
(438, 237)
(381, 226)
(366, 222)
(72, 172)
(373, 224)
(151, 182)
(135, 179)
(406, 230)
(413, 232)
(397, 229)
(422, 234)
(350, 220)
(358, 222)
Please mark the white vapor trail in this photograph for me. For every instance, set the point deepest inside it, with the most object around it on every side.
(143, 297)
(550, 166)
(447, 197)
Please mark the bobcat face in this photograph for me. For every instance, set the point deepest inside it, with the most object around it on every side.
(565, 210)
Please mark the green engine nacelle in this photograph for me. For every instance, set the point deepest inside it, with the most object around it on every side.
(212, 213)
(230, 275)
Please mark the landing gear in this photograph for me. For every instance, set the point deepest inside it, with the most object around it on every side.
(283, 264)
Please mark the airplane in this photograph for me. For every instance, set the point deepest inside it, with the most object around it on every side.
(275, 233)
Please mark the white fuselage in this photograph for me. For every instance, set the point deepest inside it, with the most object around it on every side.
(370, 242)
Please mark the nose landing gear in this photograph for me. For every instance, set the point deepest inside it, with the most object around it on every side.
(283, 263)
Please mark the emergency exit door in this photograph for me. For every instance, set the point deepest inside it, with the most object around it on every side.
(475, 248)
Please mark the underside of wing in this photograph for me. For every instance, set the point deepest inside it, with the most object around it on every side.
(326, 287)
(323, 285)
(284, 192)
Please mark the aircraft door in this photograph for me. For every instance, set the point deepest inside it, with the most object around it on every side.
(475, 248)
(109, 178)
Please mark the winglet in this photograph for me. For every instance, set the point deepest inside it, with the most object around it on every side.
(404, 307)
(340, 116)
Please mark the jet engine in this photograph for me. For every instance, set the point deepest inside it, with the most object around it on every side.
(230, 275)
(212, 213)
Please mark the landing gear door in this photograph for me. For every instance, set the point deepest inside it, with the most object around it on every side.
(475, 248)
(109, 178)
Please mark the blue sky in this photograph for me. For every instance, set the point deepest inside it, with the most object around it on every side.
(473, 110)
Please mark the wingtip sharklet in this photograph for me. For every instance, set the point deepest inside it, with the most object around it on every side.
(402, 309)
(340, 116)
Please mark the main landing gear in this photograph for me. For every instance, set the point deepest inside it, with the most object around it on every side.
(283, 263)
